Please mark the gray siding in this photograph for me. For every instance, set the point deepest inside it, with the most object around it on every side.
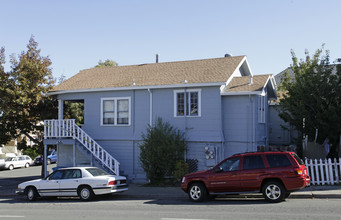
(239, 119)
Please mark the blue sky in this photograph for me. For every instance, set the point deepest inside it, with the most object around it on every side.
(76, 34)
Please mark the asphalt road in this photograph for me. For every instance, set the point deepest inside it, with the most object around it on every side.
(118, 207)
(9, 178)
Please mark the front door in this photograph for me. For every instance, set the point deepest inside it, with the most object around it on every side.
(225, 177)
(50, 186)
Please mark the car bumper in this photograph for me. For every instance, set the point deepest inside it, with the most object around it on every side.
(20, 192)
(108, 190)
(298, 183)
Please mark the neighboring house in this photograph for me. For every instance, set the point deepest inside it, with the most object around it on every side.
(220, 105)
(10, 149)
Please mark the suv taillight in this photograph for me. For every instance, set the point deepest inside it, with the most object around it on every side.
(299, 171)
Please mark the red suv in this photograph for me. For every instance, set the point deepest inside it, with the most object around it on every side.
(275, 174)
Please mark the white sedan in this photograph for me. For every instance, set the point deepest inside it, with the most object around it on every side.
(85, 182)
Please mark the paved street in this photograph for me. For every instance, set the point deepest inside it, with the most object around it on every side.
(120, 207)
(162, 203)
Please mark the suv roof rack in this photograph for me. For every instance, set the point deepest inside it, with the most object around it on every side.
(263, 151)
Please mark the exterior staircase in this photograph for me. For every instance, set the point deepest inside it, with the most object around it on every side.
(69, 129)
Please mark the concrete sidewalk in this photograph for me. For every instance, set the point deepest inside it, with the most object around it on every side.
(147, 192)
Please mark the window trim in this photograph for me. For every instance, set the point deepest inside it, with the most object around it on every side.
(175, 93)
(115, 99)
(261, 109)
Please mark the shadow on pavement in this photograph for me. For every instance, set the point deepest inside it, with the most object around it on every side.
(16, 199)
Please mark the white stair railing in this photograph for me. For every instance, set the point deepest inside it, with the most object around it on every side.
(69, 129)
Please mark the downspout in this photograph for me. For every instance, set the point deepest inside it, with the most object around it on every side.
(150, 107)
(221, 130)
(253, 124)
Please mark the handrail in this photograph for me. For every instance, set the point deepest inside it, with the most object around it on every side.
(68, 128)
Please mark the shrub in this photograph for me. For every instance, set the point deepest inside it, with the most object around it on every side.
(162, 147)
(32, 151)
(181, 169)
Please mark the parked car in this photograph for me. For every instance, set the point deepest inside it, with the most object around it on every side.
(85, 182)
(18, 161)
(275, 174)
(51, 158)
(2, 163)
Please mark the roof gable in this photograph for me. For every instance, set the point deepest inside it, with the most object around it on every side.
(241, 85)
(156, 74)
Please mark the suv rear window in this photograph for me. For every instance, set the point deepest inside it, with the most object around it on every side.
(278, 160)
(298, 159)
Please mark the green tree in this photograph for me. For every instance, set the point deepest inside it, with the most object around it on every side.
(23, 90)
(74, 110)
(106, 63)
(312, 97)
(163, 146)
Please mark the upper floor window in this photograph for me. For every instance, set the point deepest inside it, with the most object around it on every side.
(115, 111)
(187, 103)
(261, 108)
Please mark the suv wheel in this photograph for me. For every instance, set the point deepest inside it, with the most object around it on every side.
(274, 192)
(11, 167)
(197, 192)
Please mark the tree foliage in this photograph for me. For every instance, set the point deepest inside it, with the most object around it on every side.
(74, 110)
(163, 146)
(106, 63)
(24, 103)
(312, 96)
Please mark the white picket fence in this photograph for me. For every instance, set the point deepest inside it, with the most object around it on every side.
(324, 172)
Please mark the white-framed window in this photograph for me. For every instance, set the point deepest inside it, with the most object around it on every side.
(261, 108)
(115, 111)
(187, 103)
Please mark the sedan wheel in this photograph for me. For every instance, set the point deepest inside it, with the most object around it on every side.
(274, 192)
(197, 192)
(85, 193)
(27, 165)
(31, 194)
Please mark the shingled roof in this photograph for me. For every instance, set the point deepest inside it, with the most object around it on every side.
(242, 85)
(169, 73)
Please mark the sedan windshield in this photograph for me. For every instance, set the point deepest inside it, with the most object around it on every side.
(97, 172)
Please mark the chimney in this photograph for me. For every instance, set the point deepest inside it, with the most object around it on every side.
(157, 58)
